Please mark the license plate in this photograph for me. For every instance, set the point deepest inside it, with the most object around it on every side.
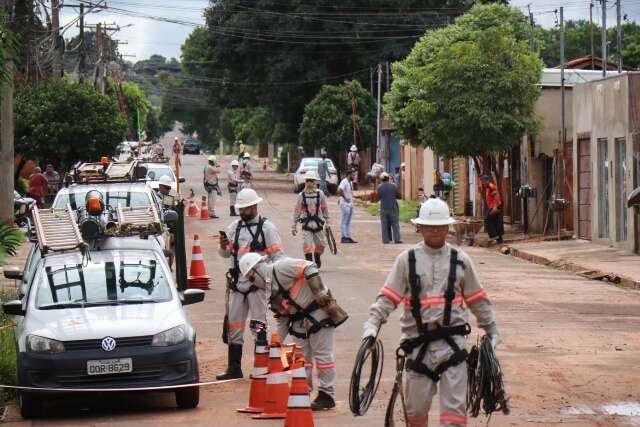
(109, 366)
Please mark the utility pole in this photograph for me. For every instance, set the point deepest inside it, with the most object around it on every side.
(604, 38)
(378, 121)
(55, 33)
(619, 34)
(532, 43)
(593, 54)
(562, 92)
(82, 66)
(6, 132)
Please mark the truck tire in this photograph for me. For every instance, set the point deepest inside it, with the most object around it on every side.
(30, 406)
(188, 397)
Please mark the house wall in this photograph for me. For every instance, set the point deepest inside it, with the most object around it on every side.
(603, 111)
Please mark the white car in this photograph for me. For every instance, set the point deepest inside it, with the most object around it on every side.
(308, 164)
(157, 170)
(111, 319)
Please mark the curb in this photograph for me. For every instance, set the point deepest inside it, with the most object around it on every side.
(583, 271)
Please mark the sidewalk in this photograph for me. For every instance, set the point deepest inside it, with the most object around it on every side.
(590, 260)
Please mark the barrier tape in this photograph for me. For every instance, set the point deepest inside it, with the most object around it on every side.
(106, 390)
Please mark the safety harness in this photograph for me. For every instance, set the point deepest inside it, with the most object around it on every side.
(301, 313)
(444, 332)
(257, 244)
(315, 217)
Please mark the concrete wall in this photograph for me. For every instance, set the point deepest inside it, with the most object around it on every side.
(602, 110)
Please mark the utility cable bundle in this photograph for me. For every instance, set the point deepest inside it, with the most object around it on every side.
(360, 398)
(485, 387)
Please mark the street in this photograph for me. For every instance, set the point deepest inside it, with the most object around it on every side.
(570, 346)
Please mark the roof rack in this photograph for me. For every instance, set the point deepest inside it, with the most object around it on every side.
(57, 230)
(138, 220)
(91, 172)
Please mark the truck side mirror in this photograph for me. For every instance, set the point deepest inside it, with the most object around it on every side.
(14, 308)
(192, 296)
(13, 274)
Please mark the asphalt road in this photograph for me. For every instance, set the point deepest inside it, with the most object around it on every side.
(570, 346)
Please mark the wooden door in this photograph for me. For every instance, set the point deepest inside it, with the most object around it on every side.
(584, 189)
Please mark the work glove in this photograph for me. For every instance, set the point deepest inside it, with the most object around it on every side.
(370, 330)
(294, 230)
(494, 335)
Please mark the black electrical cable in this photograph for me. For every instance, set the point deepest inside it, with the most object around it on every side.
(360, 398)
(485, 387)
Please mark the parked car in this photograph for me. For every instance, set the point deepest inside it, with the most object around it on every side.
(111, 318)
(191, 146)
(311, 164)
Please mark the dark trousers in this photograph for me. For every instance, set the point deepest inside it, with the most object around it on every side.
(390, 225)
(493, 225)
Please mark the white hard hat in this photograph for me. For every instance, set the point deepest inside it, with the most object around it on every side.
(249, 261)
(235, 163)
(354, 148)
(247, 155)
(247, 197)
(434, 212)
(175, 139)
(213, 159)
(384, 175)
(165, 180)
(311, 175)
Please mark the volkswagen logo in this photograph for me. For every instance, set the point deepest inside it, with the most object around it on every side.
(108, 344)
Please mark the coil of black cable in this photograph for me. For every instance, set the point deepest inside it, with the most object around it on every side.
(360, 397)
(485, 387)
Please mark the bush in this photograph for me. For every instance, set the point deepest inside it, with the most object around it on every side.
(10, 239)
(407, 209)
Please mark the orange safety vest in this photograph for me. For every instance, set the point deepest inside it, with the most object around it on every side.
(492, 196)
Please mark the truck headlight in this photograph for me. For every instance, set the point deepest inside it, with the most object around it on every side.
(38, 344)
(173, 336)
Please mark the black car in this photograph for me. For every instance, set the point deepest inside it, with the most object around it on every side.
(191, 146)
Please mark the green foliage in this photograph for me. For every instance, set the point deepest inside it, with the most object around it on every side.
(137, 103)
(62, 122)
(10, 239)
(577, 38)
(8, 49)
(468, 89)
(328, 121)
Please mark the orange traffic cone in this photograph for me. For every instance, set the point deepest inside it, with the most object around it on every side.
(275, 402)
(258, 388)
(198, 279)
(299, 406)
(204, 210)
(193, 208)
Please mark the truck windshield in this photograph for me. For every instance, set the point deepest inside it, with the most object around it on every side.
(117, 281)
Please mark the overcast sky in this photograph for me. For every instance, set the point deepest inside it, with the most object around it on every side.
(148, 36)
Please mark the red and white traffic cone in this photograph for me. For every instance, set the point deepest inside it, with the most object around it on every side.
(198, 277)
(299, 412)
(277, 392)
(258, 388)
(204, 210)
(193, 208)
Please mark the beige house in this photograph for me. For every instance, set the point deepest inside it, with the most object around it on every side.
(606, 138)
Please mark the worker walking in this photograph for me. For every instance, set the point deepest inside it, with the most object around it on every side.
(345, 191)
(211, 185)
(245, 171)
(434, 283)
(312, 212)
(323, 172)
(232, 186)
(388, 193)
(250, 233)
(493, 221)
(305, 310)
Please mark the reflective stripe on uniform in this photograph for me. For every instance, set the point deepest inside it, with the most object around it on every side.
(236, 325)
(325, 366)
(450, 418)
(295, 289)
(391, 293)
(476, 296)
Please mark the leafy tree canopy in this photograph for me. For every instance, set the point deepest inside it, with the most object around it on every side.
(328, 118)
(62, 122)
(468, 89)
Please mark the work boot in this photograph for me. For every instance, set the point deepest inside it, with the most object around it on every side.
(316, 257)
(308, 257)
(323, 402)
(234, 370)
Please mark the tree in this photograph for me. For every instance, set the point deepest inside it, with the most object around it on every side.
(138, 107)
(62, 122)
(469, 89)
(328, 119)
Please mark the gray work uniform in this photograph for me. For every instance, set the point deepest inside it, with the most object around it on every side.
(432, 268)
(389, 213)
(245, 300)
(312, 212)
(211, 185)
(232, 186)
(317, 347)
